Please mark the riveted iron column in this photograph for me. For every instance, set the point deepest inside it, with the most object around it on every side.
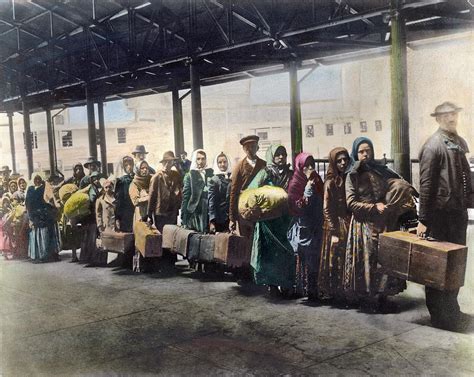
(295, 111)
(178, 123)
(398, 64)
(196, 107)
(12, 142)
(91, 125)
(103, 143)
(28, 141)
(49, 127)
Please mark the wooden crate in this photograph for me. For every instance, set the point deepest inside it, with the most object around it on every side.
(117, 242)
(232, 250)
(440, 265)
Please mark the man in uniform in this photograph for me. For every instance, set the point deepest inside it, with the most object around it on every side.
(243, 174)
(445, 195)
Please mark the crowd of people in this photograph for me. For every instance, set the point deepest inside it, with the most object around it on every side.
(323, 247)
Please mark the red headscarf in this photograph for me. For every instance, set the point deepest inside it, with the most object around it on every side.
(298, 183)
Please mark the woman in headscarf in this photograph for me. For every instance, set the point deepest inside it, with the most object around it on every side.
(20, 195)
(367, 186)
(43, 245)
(305, 201)
(139, 189)
(6, 245)
(336, 225)
(12, 188)
(125, 207)
(77, 175)
(272, 259)
(219, 192)
(194, 208)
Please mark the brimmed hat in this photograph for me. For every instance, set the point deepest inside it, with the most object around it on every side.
(140, 149)
(444, 108)
(91, 160)
(249, 138)
(5, 168)
(168, 156)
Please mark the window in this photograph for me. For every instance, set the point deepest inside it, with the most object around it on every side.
(309, 130)
(347, 128)
(121, 135)
(66, 138)
(59, 119)
(34, 140)
(363, 126)
(329, 129)
(378, 125)
(262, 135)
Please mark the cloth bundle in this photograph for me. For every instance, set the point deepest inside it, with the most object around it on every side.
(66, 191)
(77, 206)
(263, 203)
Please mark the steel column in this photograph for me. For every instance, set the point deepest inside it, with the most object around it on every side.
(91, 125)
(196, 106)
(178, 123)
(398, 64)
(103, 143)
(28, 146)
(49, 127)
(295, 111)
(12, 141)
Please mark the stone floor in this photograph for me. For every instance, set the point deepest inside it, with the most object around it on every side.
(66, 320)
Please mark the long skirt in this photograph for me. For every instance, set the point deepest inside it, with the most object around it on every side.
(363, 277)
(199, 219)
(307, 259)
(5, 240)
(89, 252)
(43, 243)
(331, 266)
(273, 260)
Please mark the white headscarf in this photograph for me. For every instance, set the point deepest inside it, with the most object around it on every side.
(215, 166)
(194, 158)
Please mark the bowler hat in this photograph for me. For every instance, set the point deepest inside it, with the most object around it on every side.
(444, 108)
(168, 156)
(5, 168)
(140, 149)
(249, 138)
(91, 160)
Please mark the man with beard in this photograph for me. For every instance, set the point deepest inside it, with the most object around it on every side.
(445, 195)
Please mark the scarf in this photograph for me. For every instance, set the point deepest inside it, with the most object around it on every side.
(194, 158)
(298, 183)
(280, 175)
(142, 182)
(215, 166)
(332, 171)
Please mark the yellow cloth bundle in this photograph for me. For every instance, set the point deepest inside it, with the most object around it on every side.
(77, 206)
(263, 203)
(66, 191)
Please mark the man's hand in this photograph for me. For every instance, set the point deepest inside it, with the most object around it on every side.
(212, 228)
(334, 240)
(421, 230)
(380, 207)
(232, 226)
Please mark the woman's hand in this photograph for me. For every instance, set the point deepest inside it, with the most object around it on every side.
(380, 207)
(334, 240)
(421, 230)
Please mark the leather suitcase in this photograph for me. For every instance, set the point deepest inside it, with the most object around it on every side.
(194, 244)
(436, 264)
(207, 247)
(232, 250)
(169, 236)
(181, 241)
(118, 242)
(147, 240)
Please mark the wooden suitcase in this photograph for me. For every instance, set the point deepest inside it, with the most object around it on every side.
(193, 247)
(169, 235)
(181, 241)
(147, 240)
(232, 250)
(201, 248)
(118, 242)
(440, 265)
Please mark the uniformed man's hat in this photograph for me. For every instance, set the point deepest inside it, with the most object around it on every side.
(140, 149)
(249, 138)
(444, 108)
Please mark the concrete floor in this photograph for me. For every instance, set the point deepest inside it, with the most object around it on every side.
(66, 320)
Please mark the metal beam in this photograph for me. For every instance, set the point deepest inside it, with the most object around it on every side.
(216, 22)
(398, 64)
(49, 128)
(178, 122)
(196, 106)
(91, 124)
(103, 143)
(295, 111)
(12, 141)
(28, 140)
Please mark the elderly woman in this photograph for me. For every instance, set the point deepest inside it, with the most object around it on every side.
(273, 260)
(20, 195)
(374, 194)
(219, 192)
(139, 189)
(305, 200)
(194, 208)
(336, 225)
(43, 245)
(124, 206)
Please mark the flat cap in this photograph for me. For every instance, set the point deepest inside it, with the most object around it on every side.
(249, 138)
(444, 108)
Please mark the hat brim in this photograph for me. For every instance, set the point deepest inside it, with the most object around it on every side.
(87, 164)
(135, 152)
(456, 110)
(169, 159)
